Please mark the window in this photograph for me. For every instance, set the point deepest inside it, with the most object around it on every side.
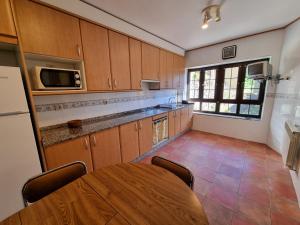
(227, 90)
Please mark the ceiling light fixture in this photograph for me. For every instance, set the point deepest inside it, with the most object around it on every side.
(210, 13)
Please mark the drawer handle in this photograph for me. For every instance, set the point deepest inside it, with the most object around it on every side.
(94, 141)
(115, 83)
(136, 126)
(86, 144)
(78, 50)
(109, 82)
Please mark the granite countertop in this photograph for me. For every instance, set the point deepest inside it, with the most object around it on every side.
(58, 133)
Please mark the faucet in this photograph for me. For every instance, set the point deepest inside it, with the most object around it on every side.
(172, 100)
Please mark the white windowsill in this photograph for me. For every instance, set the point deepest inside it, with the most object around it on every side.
(227, 116)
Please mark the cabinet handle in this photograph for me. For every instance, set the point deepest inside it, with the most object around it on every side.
(140, 125)
(78, 50)
(86, 144)
(109, 82)
(94, 141)
(174, 114)
(115, 83)
(136, 126)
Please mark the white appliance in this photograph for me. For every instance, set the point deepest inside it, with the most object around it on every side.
(19, 158)
(259, 70)
(48, 78)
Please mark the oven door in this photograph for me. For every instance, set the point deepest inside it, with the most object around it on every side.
(57, 79)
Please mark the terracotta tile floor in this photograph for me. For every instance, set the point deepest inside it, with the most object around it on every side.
(238, 182)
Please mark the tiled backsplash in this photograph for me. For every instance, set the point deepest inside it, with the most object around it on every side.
(61, 108)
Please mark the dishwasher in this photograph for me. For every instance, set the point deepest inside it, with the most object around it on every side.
(160, 129)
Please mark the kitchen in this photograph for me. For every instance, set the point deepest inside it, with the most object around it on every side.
(98, 89)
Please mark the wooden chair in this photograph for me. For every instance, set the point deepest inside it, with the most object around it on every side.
(180, 171)
(40, 186)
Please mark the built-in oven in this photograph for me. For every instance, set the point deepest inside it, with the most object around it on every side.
(160, 129)
(45, 78)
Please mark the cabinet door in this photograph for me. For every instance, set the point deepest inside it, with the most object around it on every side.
(129, 138)
(7, 26)
(145, 135)
(176, 73)
(135, 49)
(150, 62)
(46, 31)
(69, 151)
(181, 72)
(106, 148)
(184, 118)
(171, 120)
(170, 62)
(163, 76)
(96, 56)
(119, 59)
(177, 121)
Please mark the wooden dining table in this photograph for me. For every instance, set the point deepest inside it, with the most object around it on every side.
(121, 194)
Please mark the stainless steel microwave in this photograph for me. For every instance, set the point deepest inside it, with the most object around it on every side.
(47, 78)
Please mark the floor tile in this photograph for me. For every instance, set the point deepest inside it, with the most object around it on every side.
(224, 197)
(238, 182)
(255, 212)
(216, 213)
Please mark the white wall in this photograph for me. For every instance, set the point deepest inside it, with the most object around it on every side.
(84, 10)
(259, 46)
(287, 99)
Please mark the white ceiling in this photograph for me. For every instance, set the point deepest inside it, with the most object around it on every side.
(179, 21)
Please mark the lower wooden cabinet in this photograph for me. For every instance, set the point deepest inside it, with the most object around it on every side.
(105, 146)
(177, 123)
(69, 151)
(129, 139)
(171, 122)
(184, 118)
(190, 120)
(145, 135)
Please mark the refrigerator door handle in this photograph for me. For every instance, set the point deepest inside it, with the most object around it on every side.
(13, 113)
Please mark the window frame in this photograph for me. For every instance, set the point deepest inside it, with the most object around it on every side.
(219, 87)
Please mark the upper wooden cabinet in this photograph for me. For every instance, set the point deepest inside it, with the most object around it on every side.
(135, 49)
(169, 65)
(150, 62)
(181, 72)
(145, 135)
(106, 148)
(119, 59)
(96, 56)
(69, 151)
(46, 31)
(7, 26)
(129, 138)
(163, 69)
(176, 71)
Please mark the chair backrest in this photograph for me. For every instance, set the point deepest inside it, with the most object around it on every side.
(179, 170)
(48, 182)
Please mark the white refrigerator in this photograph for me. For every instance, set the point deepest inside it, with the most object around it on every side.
(19, 158)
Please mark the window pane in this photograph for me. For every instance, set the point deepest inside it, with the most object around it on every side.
(197, 106)
(194, 84)
(209, 84)
(254, 110)
(230, 83)
(228, 108)
(251, 89)
(244, 109)
(209, 106)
